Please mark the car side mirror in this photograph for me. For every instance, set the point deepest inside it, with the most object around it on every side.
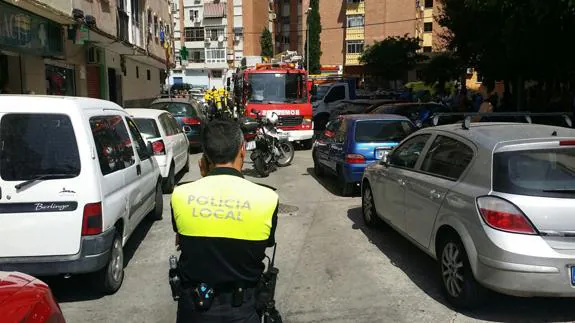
(149, 149)
(187, 129)
(384, 160)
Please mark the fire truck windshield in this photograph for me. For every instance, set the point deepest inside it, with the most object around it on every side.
(277, 88)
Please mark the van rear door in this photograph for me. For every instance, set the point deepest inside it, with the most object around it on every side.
(40, 214)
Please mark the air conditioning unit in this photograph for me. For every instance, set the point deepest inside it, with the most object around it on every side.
(237, 38)
(273, 16)
(94, 55)
(220, 39)
(207, 40)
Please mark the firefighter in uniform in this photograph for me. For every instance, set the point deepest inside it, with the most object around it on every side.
(223, 225)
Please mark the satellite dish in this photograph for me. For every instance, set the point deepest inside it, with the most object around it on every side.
(220, 38)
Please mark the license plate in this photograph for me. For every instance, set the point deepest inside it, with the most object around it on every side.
(250, 145)
(379, 153)
(573, 276)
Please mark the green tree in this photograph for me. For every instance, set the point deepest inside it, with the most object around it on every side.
(266, 43)
(391, 58)
(314, 26)
(440, 69)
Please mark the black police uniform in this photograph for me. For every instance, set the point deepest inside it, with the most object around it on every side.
(225, 223)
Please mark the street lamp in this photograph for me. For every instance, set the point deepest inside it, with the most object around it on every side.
(307, 39)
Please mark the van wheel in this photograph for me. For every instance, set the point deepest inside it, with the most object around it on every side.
(158, 210)
(110, 277)
(457, 281)
(170, 181)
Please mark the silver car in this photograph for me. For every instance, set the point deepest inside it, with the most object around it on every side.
(493, 203)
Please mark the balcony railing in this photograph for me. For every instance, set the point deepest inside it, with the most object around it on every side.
(352, 59)
(354, 33)
(355, 8)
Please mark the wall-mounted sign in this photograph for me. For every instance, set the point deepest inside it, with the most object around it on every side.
(26, 32)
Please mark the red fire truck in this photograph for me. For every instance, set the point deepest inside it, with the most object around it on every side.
(280, 88)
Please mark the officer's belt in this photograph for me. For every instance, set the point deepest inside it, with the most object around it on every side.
(226, 288)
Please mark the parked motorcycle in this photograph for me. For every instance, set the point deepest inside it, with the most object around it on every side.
(269, 145)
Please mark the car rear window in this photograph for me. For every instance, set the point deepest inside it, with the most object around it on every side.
(382, 130)
(148, 128)
(542, 172)
(32, 145)
(177, 109)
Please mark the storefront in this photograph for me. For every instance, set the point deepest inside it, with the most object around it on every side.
(60, 78)
(26, 39)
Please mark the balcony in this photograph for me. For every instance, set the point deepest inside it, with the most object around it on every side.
(355, 8)
(352, 59)
(354, 33)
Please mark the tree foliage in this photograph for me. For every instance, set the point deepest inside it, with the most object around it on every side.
(266, 43)
(391, 58)
(506, 39)
(314, 25)
(442, 68)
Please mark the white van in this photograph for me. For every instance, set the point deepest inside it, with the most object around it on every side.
(76, 179)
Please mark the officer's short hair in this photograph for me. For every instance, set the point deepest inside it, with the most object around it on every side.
(221, 141)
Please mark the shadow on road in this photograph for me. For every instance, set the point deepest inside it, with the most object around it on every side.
(422, 270)
(330, 183)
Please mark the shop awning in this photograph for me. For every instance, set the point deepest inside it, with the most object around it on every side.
(214, 10)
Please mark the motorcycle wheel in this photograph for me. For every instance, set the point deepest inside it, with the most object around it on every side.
(288, 151)
(260, 166)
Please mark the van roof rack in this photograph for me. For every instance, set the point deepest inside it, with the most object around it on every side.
(527, 115)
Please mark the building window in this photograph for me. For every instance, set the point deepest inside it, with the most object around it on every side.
(215, 55)
(355, 21)
(354, 1)
(427, 49)
(194, 33)
(217, 74)
(428, 27)
(149, 75)
(156, 27)
(196, 55)
(355, 47)
(194, 15)
(428, 4)
(137, 72)
(214, 33)
(175, 7)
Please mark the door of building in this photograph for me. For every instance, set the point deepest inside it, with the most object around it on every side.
(93, 81)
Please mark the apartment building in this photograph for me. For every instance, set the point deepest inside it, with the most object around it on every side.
(350, 25)
(212, 37)
(109, 49)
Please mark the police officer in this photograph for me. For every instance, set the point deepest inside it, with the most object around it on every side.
(223, 225)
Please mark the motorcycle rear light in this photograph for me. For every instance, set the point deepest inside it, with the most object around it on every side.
(158, 147)
(191, 121)
(354, 159)
(92, 219)
(502, 215)
(567, 143)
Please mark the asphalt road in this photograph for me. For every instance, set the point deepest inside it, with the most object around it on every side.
(332, 268)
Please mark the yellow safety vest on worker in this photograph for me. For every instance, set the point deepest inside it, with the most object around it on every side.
(224, 206)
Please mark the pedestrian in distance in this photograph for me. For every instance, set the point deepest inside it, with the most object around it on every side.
(223, 225)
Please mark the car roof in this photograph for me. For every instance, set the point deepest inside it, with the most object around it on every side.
(150, 113)
(490, 134)
(358, 117)
(27, 102)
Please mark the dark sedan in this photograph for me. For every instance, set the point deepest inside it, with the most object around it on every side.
(419, 113)
(187, 112)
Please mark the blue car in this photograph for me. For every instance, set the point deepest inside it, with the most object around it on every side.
(351, 142)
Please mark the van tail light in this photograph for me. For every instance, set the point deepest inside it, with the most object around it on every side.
(191, 121)
(502, 215)
(158, 147)
(567, 143)
(92, 219)
(354, 159)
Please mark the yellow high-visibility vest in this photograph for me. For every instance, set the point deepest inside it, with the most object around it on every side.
(224, 206)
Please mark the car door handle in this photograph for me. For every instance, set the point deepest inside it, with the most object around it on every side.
(138, 170)
(434, 195)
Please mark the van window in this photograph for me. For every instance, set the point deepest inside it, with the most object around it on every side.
(382, 130)
(148, 128)
(167, 125)
(113, 143)
(37, 144)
